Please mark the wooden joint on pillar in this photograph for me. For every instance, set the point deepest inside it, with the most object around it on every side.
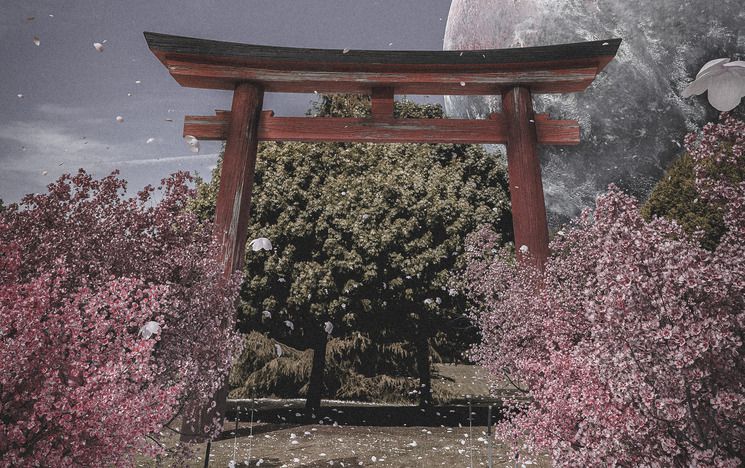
(382, 102)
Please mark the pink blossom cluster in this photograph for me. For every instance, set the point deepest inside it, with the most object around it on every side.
(629, 346)
(82, 269)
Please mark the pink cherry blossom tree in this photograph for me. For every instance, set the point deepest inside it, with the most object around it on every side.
(112, 314)
(629, 346)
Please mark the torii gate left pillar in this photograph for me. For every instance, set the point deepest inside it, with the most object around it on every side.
(250, 70)
(232, 215)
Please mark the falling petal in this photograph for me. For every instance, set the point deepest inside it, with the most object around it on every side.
(266, 314)
(462, 83)
(37, 41)
(44, 172)
(345, 51)
(192, 142)
(290, 325)
(260, 243)
(138, 82)
(278, 349)
(149, 329)
(98, 46)
(523, 249)
(328, 327)
(119, 118)
(20, 96)
(150, 140)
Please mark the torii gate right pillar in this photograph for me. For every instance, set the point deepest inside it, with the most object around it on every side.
(524, 168)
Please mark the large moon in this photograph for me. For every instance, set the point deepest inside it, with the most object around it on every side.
(633, 118)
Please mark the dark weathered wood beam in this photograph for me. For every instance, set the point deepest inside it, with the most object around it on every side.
(383, 130)
(540, 80)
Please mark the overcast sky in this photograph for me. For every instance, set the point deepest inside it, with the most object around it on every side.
(72, 94)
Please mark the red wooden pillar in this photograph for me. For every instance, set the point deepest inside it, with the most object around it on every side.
(526, 187)
(231, 217)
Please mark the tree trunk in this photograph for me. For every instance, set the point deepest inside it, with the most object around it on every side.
(424, 369)
(315, 385)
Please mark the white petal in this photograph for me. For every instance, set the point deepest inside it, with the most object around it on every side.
(260, 243)
(711, 65)
(726, 92)
(37, 41)
(278, 349)
(119, 118)
(290, 325)
(266, 314)
(328, 327)
(149, 329)
(193, 143)
(150, 140)
(98, 46)
(523, 249)
(698, 86)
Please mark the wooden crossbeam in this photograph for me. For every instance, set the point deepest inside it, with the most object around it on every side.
(202, 63)
(220, 76)
(383, 130)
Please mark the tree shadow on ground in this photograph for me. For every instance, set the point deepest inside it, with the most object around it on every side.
(388, 415)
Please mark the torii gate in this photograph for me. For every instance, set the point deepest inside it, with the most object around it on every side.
(252, 70)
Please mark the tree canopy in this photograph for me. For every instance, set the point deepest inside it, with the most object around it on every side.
(111, 313)
(365, 236)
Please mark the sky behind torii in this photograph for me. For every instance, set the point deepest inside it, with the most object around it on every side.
(72, 94)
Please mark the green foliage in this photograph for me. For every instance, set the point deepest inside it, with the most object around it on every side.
(365, 235)
(675, 197)
(356, 369)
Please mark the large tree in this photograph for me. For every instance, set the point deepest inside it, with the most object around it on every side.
(629, 345)
(111, 313)
(365, 237)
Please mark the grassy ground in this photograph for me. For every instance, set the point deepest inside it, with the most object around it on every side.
(272, 445)
(276, 433)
